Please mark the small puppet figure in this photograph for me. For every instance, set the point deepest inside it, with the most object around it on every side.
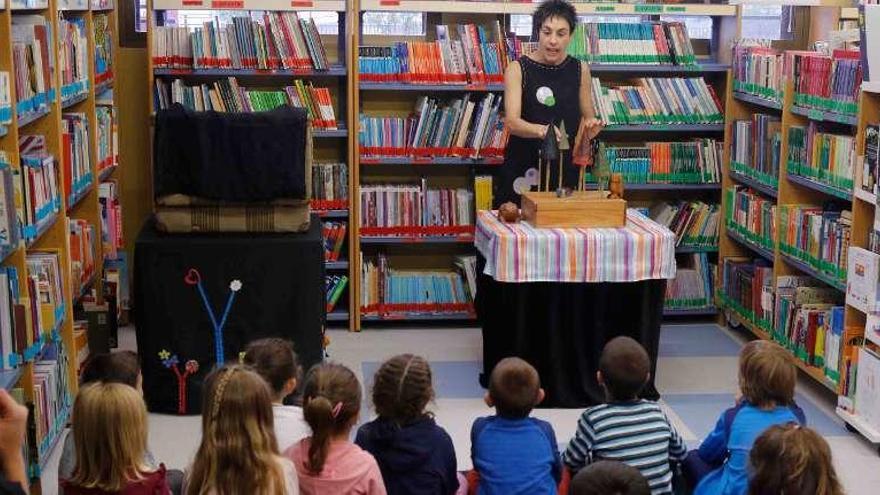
(548, 153)
(191, 367)
(508, 213)
(564, 145)
(615, 187)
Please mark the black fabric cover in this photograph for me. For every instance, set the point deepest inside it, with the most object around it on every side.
(560, 328)
(282, 295)
(240, 157)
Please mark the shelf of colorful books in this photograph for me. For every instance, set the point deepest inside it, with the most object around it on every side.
(86, 287)
(417, 239)
(275, 5)
(760, 101)
(829, 274)
(825, 116)
(704, 67)
(33, 233)
(429, 160)
(860, 425)
(8, 378)
(32, 116)
(330, 133)
(751, 179)
(520, 7)
(73, 5)
(755, 243)
(428, 88)
(80, 191)
(336, 265)
(337, 315)
(664, 128)
(50, 442)
(696, 249)
(837, 192)
(701, 311)
(332, 71)
(709, 186)
(106, 173)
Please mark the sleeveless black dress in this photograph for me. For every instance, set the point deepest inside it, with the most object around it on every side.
(539, 81)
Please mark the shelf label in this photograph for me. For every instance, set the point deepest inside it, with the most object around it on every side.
(648, 9)
(389, 3)
(303, 4)
(606, 8)
(815, 114)
(675, 8)
(193, 3)
(227, 4)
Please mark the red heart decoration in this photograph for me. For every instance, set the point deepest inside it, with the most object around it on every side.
(192, 277)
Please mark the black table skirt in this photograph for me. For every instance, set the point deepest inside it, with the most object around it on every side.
(282, 295)
(560, 328)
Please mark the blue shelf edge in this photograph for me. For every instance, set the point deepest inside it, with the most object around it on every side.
(696, 249)
(107, 172)
(79, 196)
(706, 311)
(31, 117)
(337, 315)
(331, 133)
(763, 188)
(336, 265)
(760, 251)
(757, 100)
(47, 224)
(822, 188)
(421, 317)
(809, 270)
(74, 100)
(823, 116)
(8, 378)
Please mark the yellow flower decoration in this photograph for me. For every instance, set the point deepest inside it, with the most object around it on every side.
(164, 354)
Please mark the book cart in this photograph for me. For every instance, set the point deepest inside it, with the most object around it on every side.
(61, 224)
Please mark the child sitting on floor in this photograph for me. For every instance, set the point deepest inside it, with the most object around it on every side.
(512, 452)
(328, 462)
(626, 428)
(792, 459)
(414, 454)
(275, 360)
(609, 478)
(767, 378)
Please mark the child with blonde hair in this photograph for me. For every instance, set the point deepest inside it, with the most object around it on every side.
(415, 455)
(328, 462)
(110, 436)
(792, 459)
(238, 453)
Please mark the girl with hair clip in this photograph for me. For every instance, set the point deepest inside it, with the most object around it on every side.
(415, 455)
(327, 462)
(110, 434)
(238, 453)
(792, 459)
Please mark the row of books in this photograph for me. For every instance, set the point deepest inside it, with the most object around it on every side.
(41, 194)
(755, 147)
(657, 100)
(273, 40)
(692, 286)
(694, 223)
(387, 290)
(103, 47)
(819, 238)
(466, 265)
(630, 43)
(46, 290)
(226, 95)
(751, 215)
(75, 155)
(335, 286)
(329, 181)
(111, 220)
(32, 60)
(871, 162)
(52, 400)
(15, 337)
(824, 157)
(747, 285)
(83, 254)
(73, 53)
(334, 235)
(687, 162)
(107, 136)
(758, 69)
(827, 82)
(461, 126)
(471, 58)
(5, 100)
(415, 206)
(10, 230)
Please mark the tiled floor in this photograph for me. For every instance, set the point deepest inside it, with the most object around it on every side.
(696, 375)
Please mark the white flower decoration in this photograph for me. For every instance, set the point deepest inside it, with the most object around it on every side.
(235, 285)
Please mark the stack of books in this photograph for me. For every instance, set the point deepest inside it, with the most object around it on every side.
(14, 333)
(831, 83)
(111, 219)
(32, 63)
(752, 216)
(747, 287)
(821, 156)
(273, 40)
(329, 186)
(819, 238)
(688, 162)
(83, 252)
(41, 194)
(107, 136)
(460, 127)
(755, 148)
(757, 70)
(624, 43)
(75, 156)
(467, 268)
(387, 291)
(103, 47)
(657, 100)
(336, 285)
(73, 57)
(413, 209)
(334, 234)
(692, 286)
(694, 223)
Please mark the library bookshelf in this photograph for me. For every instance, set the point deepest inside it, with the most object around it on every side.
(50, 339)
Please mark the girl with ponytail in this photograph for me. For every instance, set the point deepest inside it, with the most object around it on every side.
(327, 462)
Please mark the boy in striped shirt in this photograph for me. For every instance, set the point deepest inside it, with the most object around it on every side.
(626, 428)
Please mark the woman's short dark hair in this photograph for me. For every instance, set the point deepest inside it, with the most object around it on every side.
(549, 9)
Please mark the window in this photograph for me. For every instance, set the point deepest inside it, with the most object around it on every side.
(132, 23)
(394, 23)
(699, 26)
(773, 22)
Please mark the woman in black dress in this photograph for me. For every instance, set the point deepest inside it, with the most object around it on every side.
(543, 89)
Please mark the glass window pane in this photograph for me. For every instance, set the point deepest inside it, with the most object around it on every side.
(699, 26)
(394, 23)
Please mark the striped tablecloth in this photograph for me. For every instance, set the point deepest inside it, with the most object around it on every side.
(641, 250)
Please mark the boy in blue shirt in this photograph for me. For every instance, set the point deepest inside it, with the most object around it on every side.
(512, 452)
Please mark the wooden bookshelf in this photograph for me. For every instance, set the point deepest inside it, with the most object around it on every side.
(52, 234)
(518, 7)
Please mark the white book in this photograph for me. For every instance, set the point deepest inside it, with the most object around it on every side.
(863, 269)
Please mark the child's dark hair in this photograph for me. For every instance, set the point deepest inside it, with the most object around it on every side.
(514, 387)
(274, 359)
(609, 478)
(402, 388)
(112, 367)
(625, 366)
(331, 406)
(792, 459)
(549, 9)
(767, 374)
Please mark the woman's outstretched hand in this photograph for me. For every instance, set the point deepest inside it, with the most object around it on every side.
(593, 127)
